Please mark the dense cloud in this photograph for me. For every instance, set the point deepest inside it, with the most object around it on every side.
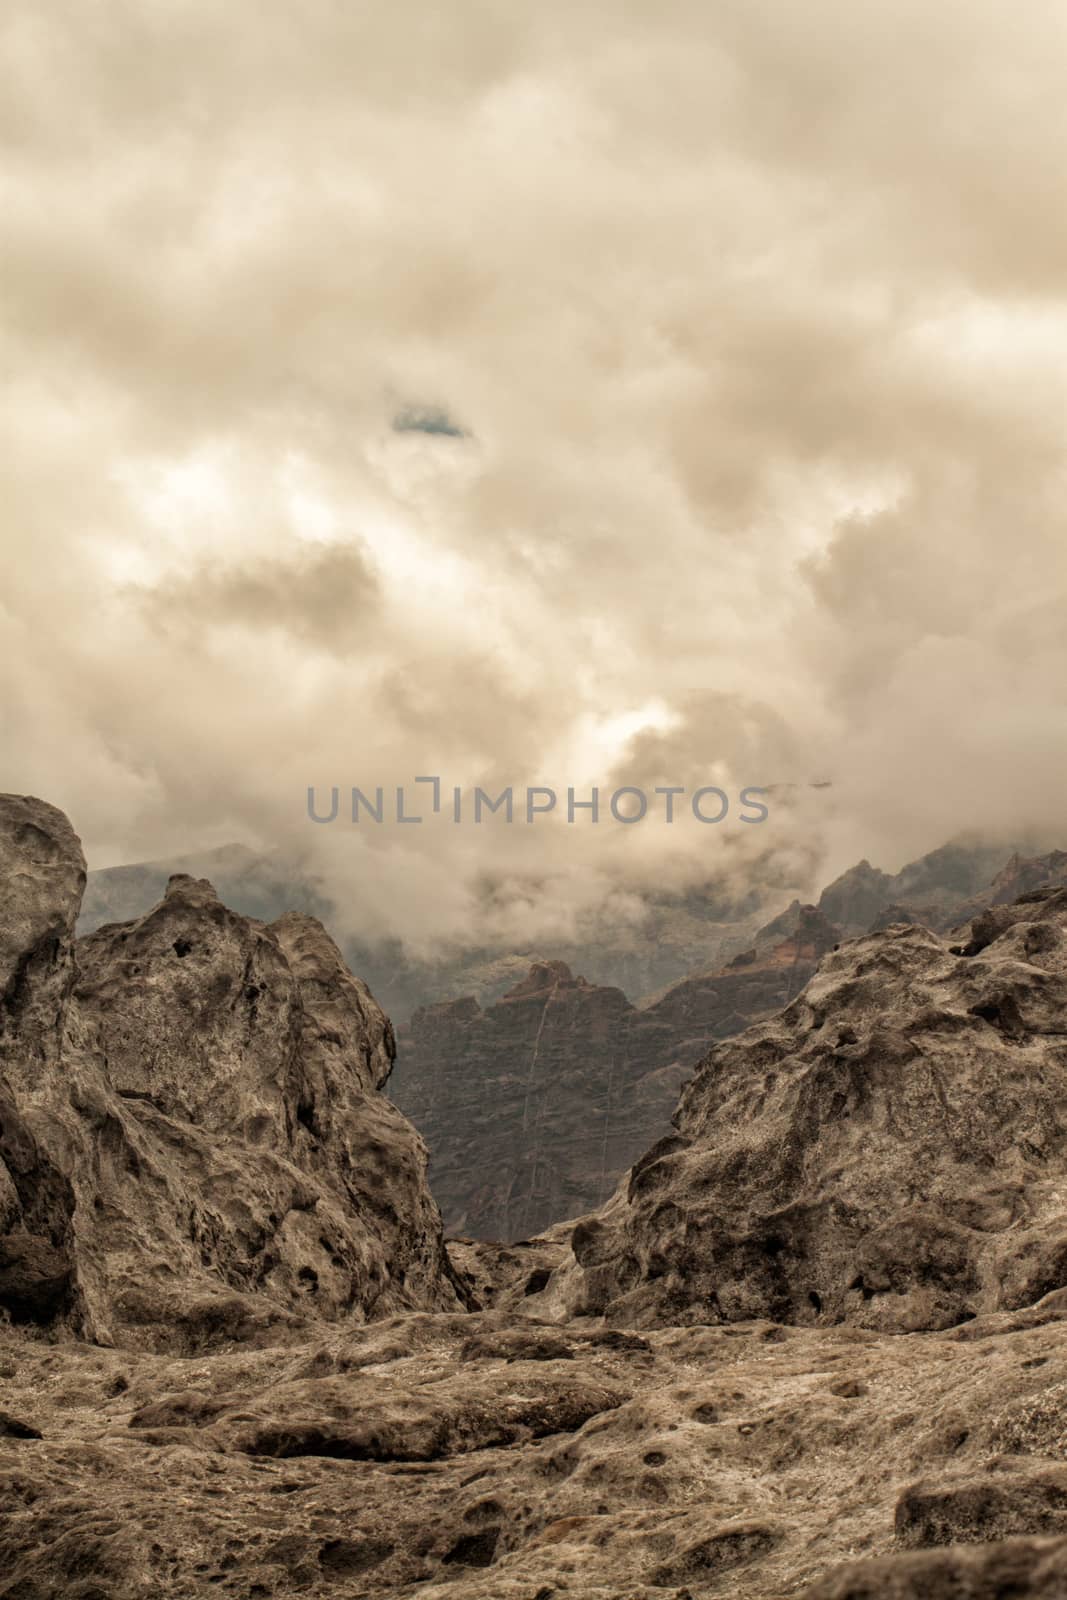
(567, 394)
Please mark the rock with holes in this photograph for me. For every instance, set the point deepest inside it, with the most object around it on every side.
(196, 1147)
(359, 1419)
(492, 1456)
(891, 1150)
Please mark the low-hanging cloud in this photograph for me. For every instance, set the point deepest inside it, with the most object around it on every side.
(604, 394)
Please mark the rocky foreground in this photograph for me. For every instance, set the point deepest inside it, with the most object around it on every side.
(814, 1345)
(496, 1457)
(195, 1141)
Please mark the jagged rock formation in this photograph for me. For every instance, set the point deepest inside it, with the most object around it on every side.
(192, 1114)
(889, 1151)
(528, 1125)
(194, 1136)
(534, 1107)
(940, 890)
(1020, 875)
(36, 1210)
(680, 933)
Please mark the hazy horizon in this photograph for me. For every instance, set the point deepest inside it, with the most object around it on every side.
(588, 395)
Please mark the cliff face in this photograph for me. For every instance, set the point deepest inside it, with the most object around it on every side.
(1020, 875)
(198, 1161)
(534, 1099)
(534, 1107)
(889, 1151)
(194, 1135)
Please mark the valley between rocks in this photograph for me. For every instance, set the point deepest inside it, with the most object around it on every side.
(814, 1345)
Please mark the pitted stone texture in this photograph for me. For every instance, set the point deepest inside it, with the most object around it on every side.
(498, 1457)
(209, 1094)
(890, 1150)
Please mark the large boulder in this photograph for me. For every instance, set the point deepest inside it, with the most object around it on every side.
(194, 1128)
(889, 1151)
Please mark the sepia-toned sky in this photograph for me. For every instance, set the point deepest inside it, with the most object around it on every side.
(575, 393)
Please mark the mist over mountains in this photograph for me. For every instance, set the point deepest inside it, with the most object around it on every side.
(226, 1285)
(533, 1203)
(538, 1075)
(667, 933)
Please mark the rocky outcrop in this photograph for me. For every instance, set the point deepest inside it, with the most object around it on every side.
(857, 897)
(888, 1151)
(698, 1390)
(43, 872)
(37, 1278)
(194, 1137)
(534, 1101)
(534, 1107)
(1019, 876)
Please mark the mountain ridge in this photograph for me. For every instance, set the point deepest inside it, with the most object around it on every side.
(813, 1345)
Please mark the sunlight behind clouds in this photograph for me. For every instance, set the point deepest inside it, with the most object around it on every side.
(727, 346)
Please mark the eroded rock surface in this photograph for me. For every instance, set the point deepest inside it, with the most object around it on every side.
(888, 1151)
(814, 1346)
(42, 871)
(495, 1456)
(529, 1125)
(677, 932)
(194, 1139)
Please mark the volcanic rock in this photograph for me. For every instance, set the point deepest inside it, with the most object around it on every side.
(857, 897)
(1020, 876)
(848, 1262)
(936, 890)
(888, 1151)
(195, 1143)
(425, 1453)
(527, 1127)
(675, 933)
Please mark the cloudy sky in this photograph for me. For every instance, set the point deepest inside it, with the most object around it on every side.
(572, 393)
